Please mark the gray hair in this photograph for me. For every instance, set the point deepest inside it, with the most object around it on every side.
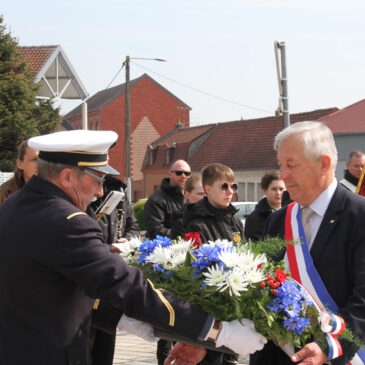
(50, 170)
(317, 140)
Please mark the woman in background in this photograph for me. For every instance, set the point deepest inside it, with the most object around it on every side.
(273, 187)
(26, 167)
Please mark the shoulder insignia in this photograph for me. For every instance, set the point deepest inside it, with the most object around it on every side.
(96, 304)
(166, 303)
(237, 237)
(75, 214)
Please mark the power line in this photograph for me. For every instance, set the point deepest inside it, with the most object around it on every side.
(115, 76)
(204, 92)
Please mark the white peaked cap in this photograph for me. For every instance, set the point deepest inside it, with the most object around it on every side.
(83, 148)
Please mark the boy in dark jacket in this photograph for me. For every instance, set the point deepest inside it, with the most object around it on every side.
(213, 218)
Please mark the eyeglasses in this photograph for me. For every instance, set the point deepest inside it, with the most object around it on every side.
(101, 180)
(233, 187)
(179, 173)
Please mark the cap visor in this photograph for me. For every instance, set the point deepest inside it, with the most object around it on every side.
(106, 169)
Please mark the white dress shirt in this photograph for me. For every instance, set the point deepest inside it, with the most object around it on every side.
(319, 207)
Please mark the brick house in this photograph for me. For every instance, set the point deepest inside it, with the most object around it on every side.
(154, 111)
(245, 145)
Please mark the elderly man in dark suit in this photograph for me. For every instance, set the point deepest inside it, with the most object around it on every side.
(335, 239)
(54, 264)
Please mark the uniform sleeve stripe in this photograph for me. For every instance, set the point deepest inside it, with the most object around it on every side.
(166, 303)
(75, 214)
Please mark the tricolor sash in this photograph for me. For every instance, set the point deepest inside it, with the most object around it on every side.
(300, 264)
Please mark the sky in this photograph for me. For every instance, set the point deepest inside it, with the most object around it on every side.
(219, 53)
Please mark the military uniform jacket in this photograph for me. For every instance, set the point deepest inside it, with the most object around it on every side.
(53, 264)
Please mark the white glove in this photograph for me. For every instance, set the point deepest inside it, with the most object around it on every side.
(240, 337)
(138, 328)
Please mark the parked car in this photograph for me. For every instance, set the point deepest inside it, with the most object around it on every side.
(245, 209)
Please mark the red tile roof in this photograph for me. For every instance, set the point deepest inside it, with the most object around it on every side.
(347, 120)
(179, 142)
(183, 135)
(241, 145)
(37, 56)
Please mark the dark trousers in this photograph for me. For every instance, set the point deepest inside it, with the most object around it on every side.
(102, 347)
(270, 355)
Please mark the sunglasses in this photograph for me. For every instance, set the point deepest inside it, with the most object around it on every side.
(179, 173)
(233, 187)
(101, 180)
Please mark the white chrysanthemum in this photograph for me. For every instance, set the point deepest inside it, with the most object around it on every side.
(224, 242)
(134, 243)
(215, 276)
(248, 261)
(177, 259)
(230, 257)
(160, 255)
(125, 249)
(254, 276)
(181, 246)
(235, 282)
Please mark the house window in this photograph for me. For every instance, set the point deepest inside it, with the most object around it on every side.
(151, 155)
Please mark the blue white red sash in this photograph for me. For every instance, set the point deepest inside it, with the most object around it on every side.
(299, 262)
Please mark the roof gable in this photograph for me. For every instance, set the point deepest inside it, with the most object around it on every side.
(54, 72)
(104, 97)
(350, 119)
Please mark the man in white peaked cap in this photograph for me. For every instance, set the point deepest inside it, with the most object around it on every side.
(54, 264)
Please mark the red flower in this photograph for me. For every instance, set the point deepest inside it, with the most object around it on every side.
(280, 276)
(274, 291)
(262, 284)
(195, 239)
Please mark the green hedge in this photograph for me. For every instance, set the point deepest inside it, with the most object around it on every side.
(138, 213)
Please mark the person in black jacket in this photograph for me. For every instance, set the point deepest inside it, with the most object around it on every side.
(166, 200)
(157, 217)
(213, 218)
(273, 187)
(119, 226)
(193, 192)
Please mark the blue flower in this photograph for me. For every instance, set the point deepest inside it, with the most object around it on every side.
(297, 324)
(205, 257)
(147, 247)
(289, 301)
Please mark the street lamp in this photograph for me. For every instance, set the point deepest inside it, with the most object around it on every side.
(128, 123)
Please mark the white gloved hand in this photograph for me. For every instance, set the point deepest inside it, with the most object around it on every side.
(240, 337)
(138, 328)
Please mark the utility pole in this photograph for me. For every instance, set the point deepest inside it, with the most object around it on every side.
(128, 122)
(283, 108)
(127, 132)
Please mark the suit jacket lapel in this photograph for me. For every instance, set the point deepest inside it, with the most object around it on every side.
(329, 222)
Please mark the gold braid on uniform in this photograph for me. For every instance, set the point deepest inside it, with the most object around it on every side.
(75, 214)
(166, 303)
